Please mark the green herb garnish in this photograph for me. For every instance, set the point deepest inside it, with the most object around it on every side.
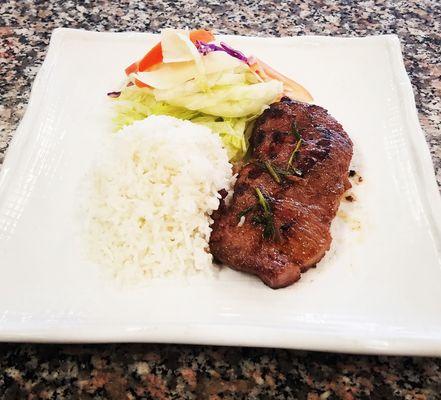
(280, 172)
(262, 201)
(272, 172)
(257, 219)
(291, 171)
(266, 219)
(246, 211)
(295, 131)
(296, 149)
(297, 172)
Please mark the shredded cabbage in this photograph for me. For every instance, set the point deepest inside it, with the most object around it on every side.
(135, 103)
(223, 96)
(138, 103)
(239, 100)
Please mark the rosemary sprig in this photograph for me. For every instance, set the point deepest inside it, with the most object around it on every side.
(280, 171)
(297, 172)
(245, 211)
(296, 149)
(295, 131)
(272, 172)
(291, 171)
(267, 218)
(262, 201)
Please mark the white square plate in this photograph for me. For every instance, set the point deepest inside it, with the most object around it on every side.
(377, 291)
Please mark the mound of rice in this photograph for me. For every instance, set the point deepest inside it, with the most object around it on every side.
(151, 196)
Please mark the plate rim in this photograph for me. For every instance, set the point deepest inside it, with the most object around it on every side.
(252, 335)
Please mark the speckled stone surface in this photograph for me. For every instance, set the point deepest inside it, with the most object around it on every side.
(190, 372)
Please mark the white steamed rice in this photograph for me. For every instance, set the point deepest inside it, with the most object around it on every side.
(151, 195)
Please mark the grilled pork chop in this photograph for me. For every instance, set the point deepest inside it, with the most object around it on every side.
(277, 224)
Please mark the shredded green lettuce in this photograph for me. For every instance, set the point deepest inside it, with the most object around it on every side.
(223, 101)
(235, 100)
(138, 103)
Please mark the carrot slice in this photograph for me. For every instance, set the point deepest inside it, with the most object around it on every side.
(290, 87)
(201, 35)
(132, 68)
(154, 56)
(140, 84)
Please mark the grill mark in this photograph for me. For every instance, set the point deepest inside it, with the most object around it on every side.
(257, 138)
(278, 137)
(273, 112)
(255, 172)
(286, 227)
(317, 152)
(241, 188)
(272, 153)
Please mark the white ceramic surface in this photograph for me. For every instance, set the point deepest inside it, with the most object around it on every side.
(377, 291)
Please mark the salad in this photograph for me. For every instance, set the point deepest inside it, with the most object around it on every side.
(191, 76)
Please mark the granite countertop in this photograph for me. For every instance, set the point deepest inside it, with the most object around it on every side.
(196, 372)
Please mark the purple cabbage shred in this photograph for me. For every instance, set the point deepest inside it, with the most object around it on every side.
(114, 95)
(234, 53)
(205, 48)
